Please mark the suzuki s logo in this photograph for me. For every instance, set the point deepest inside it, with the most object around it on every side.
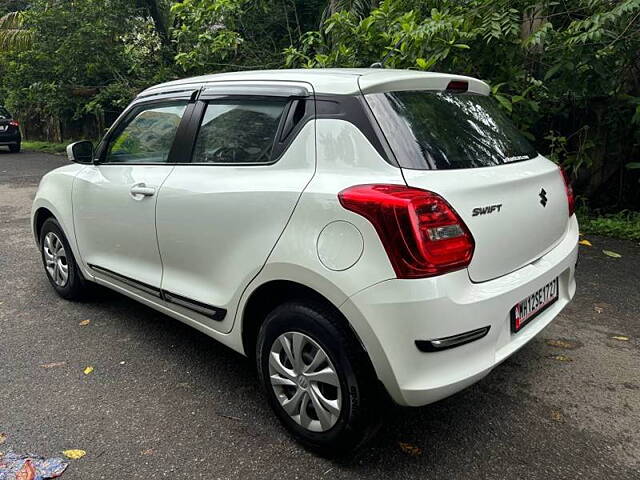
(486, 210)
(543, 197)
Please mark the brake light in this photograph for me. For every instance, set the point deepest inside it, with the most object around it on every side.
(457, 86)
(420, 231)
(569, 189)
(13, 123)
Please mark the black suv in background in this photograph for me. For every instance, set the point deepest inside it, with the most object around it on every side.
(9, 131)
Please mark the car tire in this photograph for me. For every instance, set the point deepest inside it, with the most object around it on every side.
(357, 393)
(15, 148)
(59, 263)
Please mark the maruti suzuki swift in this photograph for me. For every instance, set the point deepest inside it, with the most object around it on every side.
(362, 235)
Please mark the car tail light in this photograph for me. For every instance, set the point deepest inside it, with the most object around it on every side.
(569, 188)
(420, 231)
(13, 123)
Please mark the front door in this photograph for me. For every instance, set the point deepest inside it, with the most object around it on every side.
(114, 202)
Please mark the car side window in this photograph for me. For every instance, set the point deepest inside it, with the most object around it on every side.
(238, 131)
(147, 136)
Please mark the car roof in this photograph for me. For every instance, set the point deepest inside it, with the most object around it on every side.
(341, 81)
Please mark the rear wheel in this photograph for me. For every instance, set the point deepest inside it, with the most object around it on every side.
(15, 148)
(317, 378)
(59, 263)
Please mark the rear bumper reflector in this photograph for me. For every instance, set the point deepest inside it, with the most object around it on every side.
(439, 344)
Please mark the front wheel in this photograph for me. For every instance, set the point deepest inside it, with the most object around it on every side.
(59, 263)
(317, 378)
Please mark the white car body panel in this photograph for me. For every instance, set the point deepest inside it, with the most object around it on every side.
(217, 233)
(54, 194)
(114, 230)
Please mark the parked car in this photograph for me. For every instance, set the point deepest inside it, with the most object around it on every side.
(362, 235)
(9, 131)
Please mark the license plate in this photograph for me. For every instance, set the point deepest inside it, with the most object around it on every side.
(3, 128)
(526, 310)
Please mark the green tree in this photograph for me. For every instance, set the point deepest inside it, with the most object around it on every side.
(213, 35)
(8, 6)
(83, 59)
(568, 73)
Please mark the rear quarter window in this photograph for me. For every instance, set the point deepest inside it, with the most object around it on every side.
(440, 130)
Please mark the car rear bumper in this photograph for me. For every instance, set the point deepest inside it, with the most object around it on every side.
(390, 316)
(10, 138)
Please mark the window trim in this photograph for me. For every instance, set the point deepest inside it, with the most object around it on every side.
(259, 89)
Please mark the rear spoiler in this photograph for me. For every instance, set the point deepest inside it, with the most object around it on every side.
(390, 81)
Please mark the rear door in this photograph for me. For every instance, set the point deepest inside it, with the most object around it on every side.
(462, 147)
(114, 201)
(219, 216)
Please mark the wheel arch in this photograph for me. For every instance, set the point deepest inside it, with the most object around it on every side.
(39, 217)
(42, 210)
(268, 296)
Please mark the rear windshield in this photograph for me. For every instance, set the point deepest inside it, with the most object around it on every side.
(438, 130)
(4, 115)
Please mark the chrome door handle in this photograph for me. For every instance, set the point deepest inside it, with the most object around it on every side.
(143, 190)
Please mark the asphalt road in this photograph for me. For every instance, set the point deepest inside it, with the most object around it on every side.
(165, 401)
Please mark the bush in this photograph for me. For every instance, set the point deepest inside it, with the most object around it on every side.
(624, 224)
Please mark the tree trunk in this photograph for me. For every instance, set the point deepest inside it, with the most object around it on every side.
(161, 22)
(333, 7)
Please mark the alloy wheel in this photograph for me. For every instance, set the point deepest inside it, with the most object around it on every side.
(305, 381)
(55, 259)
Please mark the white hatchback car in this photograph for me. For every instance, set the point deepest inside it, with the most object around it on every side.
(357, 232)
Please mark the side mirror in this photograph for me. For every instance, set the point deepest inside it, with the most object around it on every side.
(80, 152)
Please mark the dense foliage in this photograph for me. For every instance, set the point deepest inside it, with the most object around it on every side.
(213, 35)
(74, 62)
(567, 72)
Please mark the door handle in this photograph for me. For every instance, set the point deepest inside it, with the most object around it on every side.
(140, 189)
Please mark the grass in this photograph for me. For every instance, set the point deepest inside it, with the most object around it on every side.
(45, 147)
(624, 224)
